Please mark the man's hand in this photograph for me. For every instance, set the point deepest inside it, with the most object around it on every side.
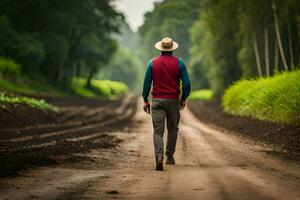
(182, 105)
(146, 107)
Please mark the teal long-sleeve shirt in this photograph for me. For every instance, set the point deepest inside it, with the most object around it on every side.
(184, 76)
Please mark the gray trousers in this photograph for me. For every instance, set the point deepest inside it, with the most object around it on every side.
(165, 110)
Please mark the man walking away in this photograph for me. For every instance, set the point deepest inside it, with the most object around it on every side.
(164, 73)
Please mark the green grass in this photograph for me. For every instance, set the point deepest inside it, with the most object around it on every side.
(31, 102)
(9, 67)
(110, 89)
(100, 88)
(11, 80)
(78, 87)
(22, 85)
(275, 99)
(203, 95)
(27, 86)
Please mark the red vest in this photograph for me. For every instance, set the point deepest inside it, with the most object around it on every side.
(166, 77)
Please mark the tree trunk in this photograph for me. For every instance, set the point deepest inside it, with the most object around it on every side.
(276, 56)
(298, 27)
(278, 36)
(78, 68)
(90, 76)
(291, 47)
(60, 74)
(267, 58)
(256, 51)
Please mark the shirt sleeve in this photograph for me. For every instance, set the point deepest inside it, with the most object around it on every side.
(186, 84)
(147, 81)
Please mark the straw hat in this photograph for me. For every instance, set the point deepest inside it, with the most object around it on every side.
(166, 44)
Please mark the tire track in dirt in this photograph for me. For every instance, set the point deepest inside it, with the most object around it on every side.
(121, 113)
(107, 112)
(45, 146)
(240, 170)
(210, 165)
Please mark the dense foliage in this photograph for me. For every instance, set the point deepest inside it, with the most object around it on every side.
(110, 89)
(243, 39)
(125, 67)
(58, 39)
(171, 18)
(26, 85)
(106, 89)
(274, 99)
(9, 68)
(203, 95)
(225, 40)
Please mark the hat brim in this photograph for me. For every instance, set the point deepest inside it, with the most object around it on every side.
(158, 46)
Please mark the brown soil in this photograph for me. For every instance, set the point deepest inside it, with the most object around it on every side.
(211, 163)
(32, 137)
(21, 115)
(284, 137)
(17, 115)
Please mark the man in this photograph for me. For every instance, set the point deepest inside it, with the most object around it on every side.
(164, 73)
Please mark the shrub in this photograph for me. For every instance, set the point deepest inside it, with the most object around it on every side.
(9, 67)
(111, 89)
(78, 87)
(275, 99)
(105, 88)
(204, 95)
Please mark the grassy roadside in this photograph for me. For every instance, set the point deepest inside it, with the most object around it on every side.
(203, 95)
(15, 91)
(275, 99)
(105, 89)
(27, 86)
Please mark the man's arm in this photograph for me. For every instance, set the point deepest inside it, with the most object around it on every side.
(186, 84)
(147, 81)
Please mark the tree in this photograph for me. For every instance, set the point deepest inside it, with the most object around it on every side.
(278, 37)
(125, 67)
(50, 33)
(171, 18)
(218, 43)
(244, 39)
(199, 75)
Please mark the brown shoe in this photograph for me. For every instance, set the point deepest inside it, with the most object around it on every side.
(170, 160)
(159, 163)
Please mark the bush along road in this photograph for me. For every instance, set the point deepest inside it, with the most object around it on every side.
(104, 150)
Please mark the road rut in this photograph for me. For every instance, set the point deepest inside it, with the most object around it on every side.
(210, 164)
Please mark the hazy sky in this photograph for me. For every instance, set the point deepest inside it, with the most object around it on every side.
(134, 10)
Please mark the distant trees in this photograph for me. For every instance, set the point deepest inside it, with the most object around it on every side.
(218, 47)
(220, 40)
(58, 39)
(225, 40)
(241, 39)
(171, 18)
(125, 64)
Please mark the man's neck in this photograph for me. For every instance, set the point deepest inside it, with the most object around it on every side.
(166, 53)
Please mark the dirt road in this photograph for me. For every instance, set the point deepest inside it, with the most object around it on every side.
(210, 165)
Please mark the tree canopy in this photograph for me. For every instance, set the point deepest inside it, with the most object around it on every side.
(221, 41)
(244, 39)
(171, 18)
(58, 39)
(226, 40)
